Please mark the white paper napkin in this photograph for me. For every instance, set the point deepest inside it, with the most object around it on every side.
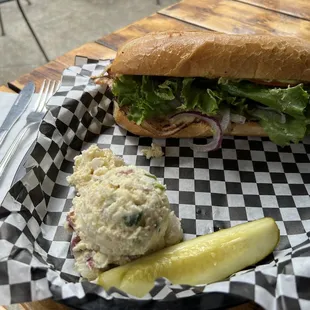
(6, 101)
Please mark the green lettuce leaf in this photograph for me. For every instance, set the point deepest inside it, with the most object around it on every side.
(145, 97)
(198, 98)
(262, 114)
(166, 90)
(292, 100)
(126, 89)
(293, 130)
(237, 105)
(148, 97)
(282, 134)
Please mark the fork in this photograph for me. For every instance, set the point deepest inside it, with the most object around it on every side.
(47, 90)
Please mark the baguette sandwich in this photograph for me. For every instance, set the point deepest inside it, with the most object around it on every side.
(201, 84)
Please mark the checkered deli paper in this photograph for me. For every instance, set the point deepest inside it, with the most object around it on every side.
(247, 179)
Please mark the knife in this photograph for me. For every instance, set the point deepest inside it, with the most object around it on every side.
(16, 110)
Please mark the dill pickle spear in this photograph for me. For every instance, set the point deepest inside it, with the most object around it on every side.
(203, 260)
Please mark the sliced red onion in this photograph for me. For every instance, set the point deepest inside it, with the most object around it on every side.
(236, 118)
(70, 221)
(225, 121)
(216, 128)
(90, 263)
(75, 241)
(126, 172)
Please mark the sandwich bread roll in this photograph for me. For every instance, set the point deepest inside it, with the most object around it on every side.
(275, 63)
(214, 55)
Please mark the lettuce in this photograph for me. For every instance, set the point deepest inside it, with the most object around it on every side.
(292, 100)
(147, 97)
(293, 130)
(198, 98)
(282, 134)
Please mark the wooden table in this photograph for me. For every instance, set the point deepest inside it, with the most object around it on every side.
(280, 17)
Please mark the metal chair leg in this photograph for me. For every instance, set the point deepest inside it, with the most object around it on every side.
(28, 1)
(1, 25)
(32, 31)
(158, 2)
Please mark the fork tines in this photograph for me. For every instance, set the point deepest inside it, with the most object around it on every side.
(47, 90)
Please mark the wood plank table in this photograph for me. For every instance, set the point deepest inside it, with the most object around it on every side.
(285, 17)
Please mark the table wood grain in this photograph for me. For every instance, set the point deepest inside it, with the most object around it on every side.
(299, 8)
(237, 17)
(51, 70)
(155, 22)
(278, 17)
(5, 89)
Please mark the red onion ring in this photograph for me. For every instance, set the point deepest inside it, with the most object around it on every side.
(70, 220)
(75, 240)
(216, 128)
(90, 263)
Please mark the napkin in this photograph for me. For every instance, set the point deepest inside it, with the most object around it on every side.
(6, 102)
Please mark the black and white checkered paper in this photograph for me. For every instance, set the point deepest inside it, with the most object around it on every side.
(247, 179)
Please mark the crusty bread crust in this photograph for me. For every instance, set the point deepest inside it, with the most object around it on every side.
(214, 55)
(194, 130)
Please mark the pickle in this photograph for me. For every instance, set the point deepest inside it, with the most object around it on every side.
(203, 260)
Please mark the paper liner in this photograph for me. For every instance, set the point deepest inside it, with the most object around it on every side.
(247, 179)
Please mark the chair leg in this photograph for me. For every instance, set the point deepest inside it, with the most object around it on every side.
(28, 1)
(158, 2)
(31, 30)
(1, 25)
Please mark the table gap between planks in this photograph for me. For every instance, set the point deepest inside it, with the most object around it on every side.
(285, 17)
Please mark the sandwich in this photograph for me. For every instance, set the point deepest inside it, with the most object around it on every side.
(202, 84)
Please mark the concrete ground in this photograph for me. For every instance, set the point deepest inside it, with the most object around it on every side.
(61, 25)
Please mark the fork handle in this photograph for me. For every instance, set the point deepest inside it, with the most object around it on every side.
(10, 152)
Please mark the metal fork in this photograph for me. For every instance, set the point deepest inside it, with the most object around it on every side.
(47, 90)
